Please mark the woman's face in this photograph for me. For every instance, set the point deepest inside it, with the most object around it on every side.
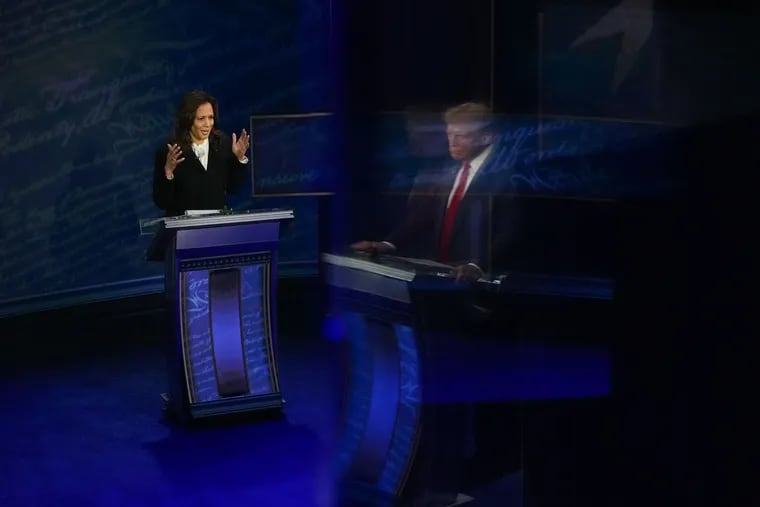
(203, 123)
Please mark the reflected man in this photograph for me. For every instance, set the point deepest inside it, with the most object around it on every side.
(449, 212)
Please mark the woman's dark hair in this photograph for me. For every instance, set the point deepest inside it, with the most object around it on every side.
(185, 116)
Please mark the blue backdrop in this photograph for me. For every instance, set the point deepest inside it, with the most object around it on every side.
(88, 93)
(558, 156)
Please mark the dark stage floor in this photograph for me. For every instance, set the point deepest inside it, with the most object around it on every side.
(82, 419)
(82, 423)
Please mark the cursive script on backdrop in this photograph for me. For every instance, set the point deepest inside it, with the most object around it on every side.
(93, 94)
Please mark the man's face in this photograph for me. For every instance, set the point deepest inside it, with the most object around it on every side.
(466, 140)
(203, 123)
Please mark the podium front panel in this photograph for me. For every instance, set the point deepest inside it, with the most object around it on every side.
(221, 286)
(227, 236)
(226, 328)
(383, 408)
(394, 446)
(226, 333)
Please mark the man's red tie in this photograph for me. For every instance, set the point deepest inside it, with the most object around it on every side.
(451, 212)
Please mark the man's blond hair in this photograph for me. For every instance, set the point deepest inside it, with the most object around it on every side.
(469, 112)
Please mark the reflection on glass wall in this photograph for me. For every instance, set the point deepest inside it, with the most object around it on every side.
(507, 173)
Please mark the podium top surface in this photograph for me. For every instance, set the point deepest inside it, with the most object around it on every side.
(435, 274)
(400, 268)
(227, 217)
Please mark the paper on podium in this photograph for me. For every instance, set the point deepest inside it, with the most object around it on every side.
(202, 212)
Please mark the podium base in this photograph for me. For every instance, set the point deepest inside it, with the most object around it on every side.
(270, 409)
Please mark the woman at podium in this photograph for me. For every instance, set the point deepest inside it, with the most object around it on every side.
(199, 165)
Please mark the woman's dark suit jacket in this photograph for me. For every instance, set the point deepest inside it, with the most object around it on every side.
(194, 187)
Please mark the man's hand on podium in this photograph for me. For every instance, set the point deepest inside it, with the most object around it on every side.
(467, 273)
(378, 247)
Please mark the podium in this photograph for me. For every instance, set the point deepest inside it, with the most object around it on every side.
(394, 445)
(220, 288)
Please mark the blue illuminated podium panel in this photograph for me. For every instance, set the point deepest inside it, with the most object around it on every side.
(220, 279)
(413, 371)
(394, 445)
